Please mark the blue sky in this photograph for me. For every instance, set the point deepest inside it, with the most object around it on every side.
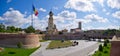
(94, 14)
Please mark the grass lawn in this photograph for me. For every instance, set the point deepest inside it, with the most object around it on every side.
(17, 52)
(43, 40)
(106, 51)
(59, 44)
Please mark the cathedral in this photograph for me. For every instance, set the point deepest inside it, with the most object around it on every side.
(51, 29)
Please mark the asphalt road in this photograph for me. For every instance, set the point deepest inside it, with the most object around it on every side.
(83, 49)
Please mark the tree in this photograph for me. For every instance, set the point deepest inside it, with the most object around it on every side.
(11, 29)
(60, 33)
(19, 45)
(107, 40)
(30, 29)
(40, 32)
(105, 43)
(2, 27)
(100, 48)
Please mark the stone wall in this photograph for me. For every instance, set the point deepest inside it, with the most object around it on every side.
(66, 37)
(76, 36)
(11, 40)
(115, 48)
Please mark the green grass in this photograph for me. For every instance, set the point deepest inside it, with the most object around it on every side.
(43, 40)
(59, 44)
(98, 53)
(17, 52)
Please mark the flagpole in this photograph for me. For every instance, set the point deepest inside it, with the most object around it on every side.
(32, 17)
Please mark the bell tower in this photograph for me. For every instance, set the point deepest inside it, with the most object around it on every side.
(50, 23)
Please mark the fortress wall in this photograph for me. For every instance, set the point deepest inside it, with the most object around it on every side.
(66, 37)
(115, 48)
(41, 36)
(11, 40)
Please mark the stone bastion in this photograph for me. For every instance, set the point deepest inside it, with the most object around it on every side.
(12, 40)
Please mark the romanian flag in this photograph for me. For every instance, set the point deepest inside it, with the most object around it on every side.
(35, 11)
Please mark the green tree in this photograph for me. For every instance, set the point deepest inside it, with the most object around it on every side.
(2, 27)
(105, 43)
(19, 45)
(11, 29)
(107, 40)
(100, 48)
(8, 29)
(30, 29)
(60, 33)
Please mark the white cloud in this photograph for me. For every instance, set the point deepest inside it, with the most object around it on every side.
(17, 19)
(80, 5)
(101, 27)
(10, 8)
(14, 17)
(114, 3)
(101, 2)
(67, 15)
(8, 1)
(104, 10)
(94, 17)
(108, 13)
(42, 9)
(116, 14)
(56, 8)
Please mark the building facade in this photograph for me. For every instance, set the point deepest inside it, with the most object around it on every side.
(79, 25)
(76, 30)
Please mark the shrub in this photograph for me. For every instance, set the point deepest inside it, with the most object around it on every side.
(19, 45)
(11, 52)
(100, 48)
(105, 51)
(60, 33)
(99, 54)
(30, 29)
(105, 43)
(62, 40)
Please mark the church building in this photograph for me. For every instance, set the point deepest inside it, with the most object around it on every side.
(51, 29)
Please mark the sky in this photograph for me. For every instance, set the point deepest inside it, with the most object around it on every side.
(94, 14)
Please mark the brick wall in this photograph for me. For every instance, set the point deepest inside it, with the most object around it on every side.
(11, 40)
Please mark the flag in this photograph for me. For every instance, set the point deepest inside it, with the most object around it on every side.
(35, 11)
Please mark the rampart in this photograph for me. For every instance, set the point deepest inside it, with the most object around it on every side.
(27, 40)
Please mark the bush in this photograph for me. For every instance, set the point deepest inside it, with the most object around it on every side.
(105, 43)
(19, 45)
(100, 48)
(99, 54)
(62, 40)
(60, 33)
(105, 51)
(30, 29)
(11, 52)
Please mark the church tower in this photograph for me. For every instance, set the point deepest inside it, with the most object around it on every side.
(51, 26)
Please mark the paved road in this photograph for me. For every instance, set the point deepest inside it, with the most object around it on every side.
(83, 49)
(41, 49)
